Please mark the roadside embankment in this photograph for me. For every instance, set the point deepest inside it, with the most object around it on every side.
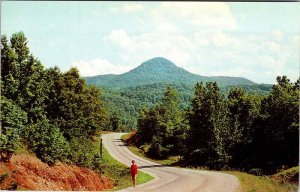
(26, 172)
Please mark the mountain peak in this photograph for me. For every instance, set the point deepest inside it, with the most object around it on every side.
(158, 62)
(158, 59)
(158, 70)
(157, 65)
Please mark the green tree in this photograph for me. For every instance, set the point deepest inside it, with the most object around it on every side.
(243, 111)
(277, 137)
(9, 71)
(147, 124)
(172, 122)
(82, 153)
(208, 127)
(163, 126)
(75, 107)
(53, 76)
(13, 119)
(23, 77)
(114, 122)
(47, 142)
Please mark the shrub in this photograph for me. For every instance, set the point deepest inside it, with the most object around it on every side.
(82, 153)
(47, 142)
(13, 119)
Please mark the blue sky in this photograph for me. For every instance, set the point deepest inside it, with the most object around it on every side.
(258, 41)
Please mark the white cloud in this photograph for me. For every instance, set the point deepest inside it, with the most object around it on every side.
(296, 38)
(220, 39)
(253, 38)
(274, 47)
(120, 38)
(127, 8)
(211, 52)
(114, 10)
(278, 35)
(270, 63)
(99, 66)
(200, 39)
(214, 15)
(167, 27)
(231, 55)
(133, 7)
(176, 47)
(167, 37)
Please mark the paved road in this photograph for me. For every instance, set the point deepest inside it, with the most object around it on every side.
(169, 178)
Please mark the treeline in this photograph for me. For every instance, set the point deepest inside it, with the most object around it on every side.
(125, 103)
(52, 113)
(256, 134)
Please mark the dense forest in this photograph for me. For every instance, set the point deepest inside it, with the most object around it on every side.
(127, 102)
(51, 113)
(258, 134)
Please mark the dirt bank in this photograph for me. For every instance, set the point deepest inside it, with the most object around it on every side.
(25, 172)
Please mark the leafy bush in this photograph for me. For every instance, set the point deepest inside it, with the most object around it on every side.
(82, 153)
(12, 122)
(255, 171)
(47, 142)
(9, 142)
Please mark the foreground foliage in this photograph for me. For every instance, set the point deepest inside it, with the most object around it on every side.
(256, 134)
(55, 114)
(46, 141)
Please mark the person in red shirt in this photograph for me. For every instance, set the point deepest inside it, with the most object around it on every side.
(133, 172)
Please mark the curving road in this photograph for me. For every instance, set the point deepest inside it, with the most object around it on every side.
(169, 178)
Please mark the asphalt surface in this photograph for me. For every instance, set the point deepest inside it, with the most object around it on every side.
(168, 178)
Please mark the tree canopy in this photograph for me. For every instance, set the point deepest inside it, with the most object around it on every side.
(45, 109)
(254, 133)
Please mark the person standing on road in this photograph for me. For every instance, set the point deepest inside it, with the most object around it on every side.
(133, 172)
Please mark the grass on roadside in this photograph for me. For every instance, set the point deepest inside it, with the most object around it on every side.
(118, 172)
(252, 183)
(288, 176)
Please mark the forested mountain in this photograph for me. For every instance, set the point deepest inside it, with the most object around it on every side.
(125, 94)
(158, 70)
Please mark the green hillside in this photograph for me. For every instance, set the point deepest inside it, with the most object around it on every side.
(127, 102)
(160, 70)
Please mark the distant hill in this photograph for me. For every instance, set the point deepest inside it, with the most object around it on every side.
(160, 70)
(145, 85)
